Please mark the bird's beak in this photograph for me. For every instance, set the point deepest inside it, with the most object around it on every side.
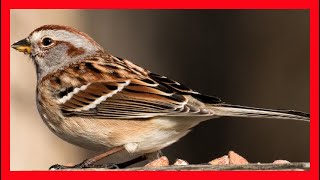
(22, 46)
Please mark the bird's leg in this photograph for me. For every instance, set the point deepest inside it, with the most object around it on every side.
(88, 163)
(130, 162)
(148, 156)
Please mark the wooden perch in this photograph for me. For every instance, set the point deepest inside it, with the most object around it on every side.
(296, 166)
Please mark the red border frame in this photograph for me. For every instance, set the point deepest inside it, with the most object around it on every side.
(312, 5)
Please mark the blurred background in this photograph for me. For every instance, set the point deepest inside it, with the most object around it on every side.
(255, 58)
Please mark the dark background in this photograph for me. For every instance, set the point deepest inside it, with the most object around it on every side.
(255, 58)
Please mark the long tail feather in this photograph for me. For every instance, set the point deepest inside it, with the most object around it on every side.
(243, 111)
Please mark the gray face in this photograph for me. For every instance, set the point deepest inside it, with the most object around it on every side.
(52, 49)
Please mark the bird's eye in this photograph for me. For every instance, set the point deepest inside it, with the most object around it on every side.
(47, 41)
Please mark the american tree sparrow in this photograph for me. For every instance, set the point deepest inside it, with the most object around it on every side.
(98, 101)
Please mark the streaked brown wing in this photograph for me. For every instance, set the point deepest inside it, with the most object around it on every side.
(128, 99)
(117, 88)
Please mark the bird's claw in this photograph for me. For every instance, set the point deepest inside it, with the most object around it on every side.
(85, 164)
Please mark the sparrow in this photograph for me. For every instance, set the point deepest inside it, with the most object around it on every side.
(98, 101)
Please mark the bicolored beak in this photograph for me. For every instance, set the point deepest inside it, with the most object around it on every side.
(22, 46)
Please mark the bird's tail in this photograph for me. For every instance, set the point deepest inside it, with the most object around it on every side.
(242, 111)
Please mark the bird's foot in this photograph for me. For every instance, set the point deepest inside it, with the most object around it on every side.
(85, 164)
(89, 163)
